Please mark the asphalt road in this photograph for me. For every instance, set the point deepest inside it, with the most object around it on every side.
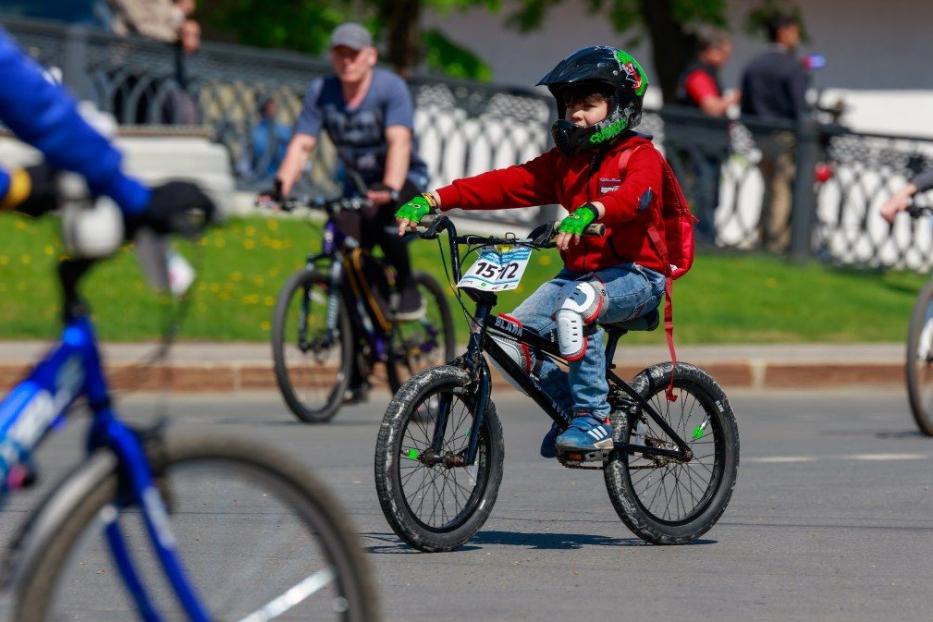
(831, 519)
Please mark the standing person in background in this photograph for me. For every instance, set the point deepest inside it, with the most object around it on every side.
(180, 106)
(369, 116)
(699, 88)
(774, 87)
(268, 141)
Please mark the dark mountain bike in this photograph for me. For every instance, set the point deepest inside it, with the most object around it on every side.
(919, 365)
(439, 454)
(338, 311)
(151, 524)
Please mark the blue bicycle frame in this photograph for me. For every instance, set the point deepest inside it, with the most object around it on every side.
(40, 403)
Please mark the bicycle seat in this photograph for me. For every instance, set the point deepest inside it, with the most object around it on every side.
(648, 321)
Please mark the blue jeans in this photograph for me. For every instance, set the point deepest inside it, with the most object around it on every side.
(632, 291)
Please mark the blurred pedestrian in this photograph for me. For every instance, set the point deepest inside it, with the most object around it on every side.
(774, 87)
(153, 19)
(705, 143)
(180, 107)
(269, 140)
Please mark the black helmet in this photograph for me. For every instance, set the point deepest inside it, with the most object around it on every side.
(606, 68)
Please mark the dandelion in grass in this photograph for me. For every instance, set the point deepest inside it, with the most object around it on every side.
(25, 260)
(4, 260)
(249, 244)
(268, 301)
(265, 325)
(236, 277)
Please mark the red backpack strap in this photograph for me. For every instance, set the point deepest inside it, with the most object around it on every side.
(660, 246)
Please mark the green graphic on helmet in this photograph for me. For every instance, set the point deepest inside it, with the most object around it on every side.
(634, 69)
(610, 131)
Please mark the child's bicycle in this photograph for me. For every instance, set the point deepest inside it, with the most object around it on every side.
(338, 312)
(439, 453)
(200, 527)
(919, 365)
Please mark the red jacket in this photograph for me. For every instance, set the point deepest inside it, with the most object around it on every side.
(569, 181)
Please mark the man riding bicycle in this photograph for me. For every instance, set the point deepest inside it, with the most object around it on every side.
(900, 200)
(44, 115)
(369, 116)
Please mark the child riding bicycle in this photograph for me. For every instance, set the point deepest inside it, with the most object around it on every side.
(600, 171)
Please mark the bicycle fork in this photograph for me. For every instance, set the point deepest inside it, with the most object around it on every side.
(477, 364)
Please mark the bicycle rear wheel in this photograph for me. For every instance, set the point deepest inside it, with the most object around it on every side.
(665, 500)
(920, 360)
(312, 361)
(251, 527)
(421, 344)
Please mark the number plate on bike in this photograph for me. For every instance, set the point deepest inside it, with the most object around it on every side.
(498, 269)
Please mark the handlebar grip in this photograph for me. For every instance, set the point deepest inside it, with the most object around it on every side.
(597, 229)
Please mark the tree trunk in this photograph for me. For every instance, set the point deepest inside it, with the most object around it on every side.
(402, 19)
(672, 47)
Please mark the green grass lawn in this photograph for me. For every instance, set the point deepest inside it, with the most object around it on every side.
(726, 298)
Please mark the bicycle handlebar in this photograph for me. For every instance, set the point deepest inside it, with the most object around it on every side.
(330, 206)
(916, 211)
(541, 236)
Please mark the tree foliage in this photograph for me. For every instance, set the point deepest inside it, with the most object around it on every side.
(305, 25)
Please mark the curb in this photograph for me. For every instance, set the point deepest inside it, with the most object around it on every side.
(235, 376)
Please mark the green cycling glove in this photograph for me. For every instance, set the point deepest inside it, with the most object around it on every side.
(579, 220)
(417, 208)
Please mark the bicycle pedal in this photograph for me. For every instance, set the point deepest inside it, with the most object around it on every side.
(583, 460)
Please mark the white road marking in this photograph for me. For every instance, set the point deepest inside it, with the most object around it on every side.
(859, 457)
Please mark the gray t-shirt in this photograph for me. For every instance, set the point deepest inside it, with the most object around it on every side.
(359, 133)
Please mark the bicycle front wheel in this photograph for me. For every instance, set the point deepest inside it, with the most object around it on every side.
(920, 360)
(436, 502)
(257, 535)
(312, 354)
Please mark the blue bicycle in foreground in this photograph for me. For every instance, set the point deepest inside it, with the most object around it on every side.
(162, 526)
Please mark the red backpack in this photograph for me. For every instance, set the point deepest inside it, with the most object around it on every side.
(674, 245)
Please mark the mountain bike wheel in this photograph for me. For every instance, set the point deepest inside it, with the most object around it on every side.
(436, 507)
(663, 500)
(920, 360)
(421, 344)
(312, 371)
(256, 533)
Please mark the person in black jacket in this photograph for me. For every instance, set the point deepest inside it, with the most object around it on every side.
(774, 87)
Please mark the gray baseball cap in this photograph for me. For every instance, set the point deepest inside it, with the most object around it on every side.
(351, 35)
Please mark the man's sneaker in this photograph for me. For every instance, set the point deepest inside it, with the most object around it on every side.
(586, 433)
(548, 447)
(410, 305)
(356, 395)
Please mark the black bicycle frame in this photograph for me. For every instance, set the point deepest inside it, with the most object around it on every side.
(476, 366)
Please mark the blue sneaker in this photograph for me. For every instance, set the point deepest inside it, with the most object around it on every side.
(587, 433)
(548, 448)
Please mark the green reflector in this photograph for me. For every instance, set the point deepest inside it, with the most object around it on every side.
(698, 432)
(412, 454)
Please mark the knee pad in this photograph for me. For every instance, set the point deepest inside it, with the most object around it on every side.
(580, 308)
(520, 353)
